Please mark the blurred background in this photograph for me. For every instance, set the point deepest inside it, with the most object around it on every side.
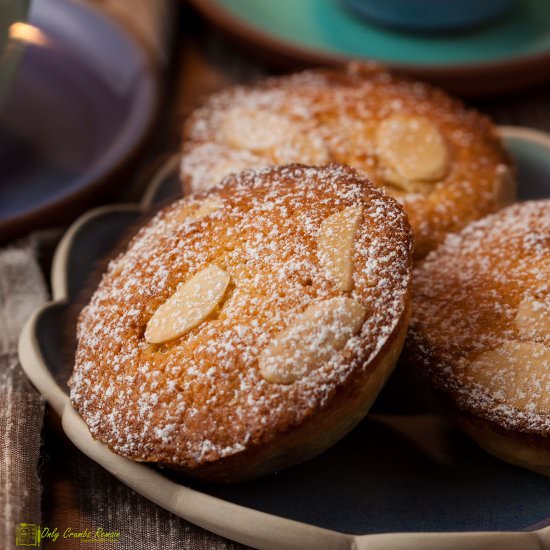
(85, 86)
(93, 96)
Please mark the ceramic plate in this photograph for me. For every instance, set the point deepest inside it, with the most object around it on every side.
(76, 113)
(511, 52)
(404, 478)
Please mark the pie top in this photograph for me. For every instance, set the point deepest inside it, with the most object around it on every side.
(443, 162)
(481, 317)
(237, 314)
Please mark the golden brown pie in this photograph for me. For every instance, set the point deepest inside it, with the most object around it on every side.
(247, 328)
(480, 331)
(445, 163)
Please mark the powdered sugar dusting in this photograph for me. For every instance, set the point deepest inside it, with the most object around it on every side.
(481, 305)
(201, 396)
(316, 117)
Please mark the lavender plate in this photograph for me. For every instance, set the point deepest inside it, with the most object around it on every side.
(80, 106)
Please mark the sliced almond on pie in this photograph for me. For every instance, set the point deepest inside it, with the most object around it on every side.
(311, 339)
(199, 209)
(205, 165)
(255, 129)
(401, 185)
(533, 319)
(205, 207)
(273, 135)
(192, 302)
(306, 147)
(516, 373)
(336, 243)
(411, 150)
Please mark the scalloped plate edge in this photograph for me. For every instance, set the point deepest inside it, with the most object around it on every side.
(254, 528)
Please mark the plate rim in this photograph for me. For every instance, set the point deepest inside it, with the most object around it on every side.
(527, 134)
(255, 528)
(38, 216)
(246, 32)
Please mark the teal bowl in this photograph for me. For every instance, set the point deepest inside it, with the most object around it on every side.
(430, 15)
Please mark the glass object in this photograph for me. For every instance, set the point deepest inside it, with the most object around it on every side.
(12, 38)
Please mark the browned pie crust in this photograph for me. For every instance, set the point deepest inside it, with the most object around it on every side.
(199, 402)
(479, 330)
(317, 117)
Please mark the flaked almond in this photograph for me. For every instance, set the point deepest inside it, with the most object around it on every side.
(205, 207)
(533, 319)
(255, 129)
(205, 165)
(192, 302)
(356, 136)
(199, 209)
(273, 135)
(336, 243)
(302, 146)
(412, 151)
(516, 373)
(311, 339)
(400, 185)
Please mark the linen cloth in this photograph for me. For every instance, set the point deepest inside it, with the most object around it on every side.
(22, 290)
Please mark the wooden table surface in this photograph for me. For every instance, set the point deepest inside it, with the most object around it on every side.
(203, 62)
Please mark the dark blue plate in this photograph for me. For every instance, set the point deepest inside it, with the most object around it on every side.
(404, 469)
